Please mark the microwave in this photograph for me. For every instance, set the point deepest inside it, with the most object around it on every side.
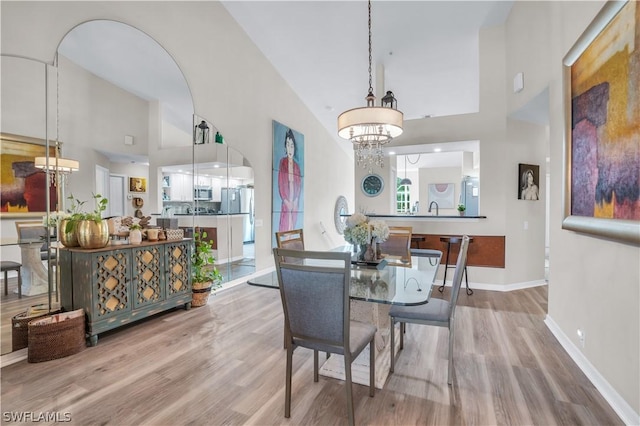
(202, 194)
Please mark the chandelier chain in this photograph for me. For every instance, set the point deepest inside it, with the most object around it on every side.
(370, 60)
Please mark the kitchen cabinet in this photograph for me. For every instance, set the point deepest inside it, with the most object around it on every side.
(181, 187)
(117, 285)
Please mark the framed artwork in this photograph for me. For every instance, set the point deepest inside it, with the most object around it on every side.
(288, 179)
(23, 188)
(137, 184)
(528, 182)
(443, 194)
(602, 126)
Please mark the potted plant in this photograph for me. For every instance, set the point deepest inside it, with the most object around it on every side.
(204, 275)
(135, 234)
(92, 232)
(461, 209)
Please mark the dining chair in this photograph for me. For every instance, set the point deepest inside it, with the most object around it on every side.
(292, 240)
(436, 312)
(315, 301)
(35, 230)
(398, 244)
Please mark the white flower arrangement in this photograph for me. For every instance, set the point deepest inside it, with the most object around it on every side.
(360, 230)
(54, 219)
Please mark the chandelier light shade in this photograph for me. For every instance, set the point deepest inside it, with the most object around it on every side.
(370, 128)
(57, 165)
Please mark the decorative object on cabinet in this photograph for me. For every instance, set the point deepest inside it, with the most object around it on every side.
(602, 135)
(205, 276)
(201, 133)
(116, 286)
(91, 230)
(135, 234)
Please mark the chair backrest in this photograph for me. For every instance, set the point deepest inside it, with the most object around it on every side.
(291, 240)
(457, 276)
(398, 243)
(314, 288)
(32, 230)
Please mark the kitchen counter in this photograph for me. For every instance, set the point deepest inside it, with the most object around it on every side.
(408, 216)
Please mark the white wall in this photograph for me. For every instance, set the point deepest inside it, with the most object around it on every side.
(594, 283)
(233, 86)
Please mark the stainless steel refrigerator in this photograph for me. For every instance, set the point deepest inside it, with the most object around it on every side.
(246, 208)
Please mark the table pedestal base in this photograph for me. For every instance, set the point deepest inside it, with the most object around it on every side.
(35, 278)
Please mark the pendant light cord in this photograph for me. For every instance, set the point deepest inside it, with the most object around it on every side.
(370, 81)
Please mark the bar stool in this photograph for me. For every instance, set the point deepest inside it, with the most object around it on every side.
(6, 266)
(450, 241)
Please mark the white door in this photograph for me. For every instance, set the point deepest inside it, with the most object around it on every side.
(116, 194)
(102, 186)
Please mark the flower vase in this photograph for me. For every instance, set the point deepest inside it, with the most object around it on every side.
(370, 254)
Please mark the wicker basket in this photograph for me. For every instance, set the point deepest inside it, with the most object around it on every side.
(19, 329)
(174, 234)
(56, 336)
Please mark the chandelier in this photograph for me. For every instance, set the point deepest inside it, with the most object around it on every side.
(370, 128)
(56, 166)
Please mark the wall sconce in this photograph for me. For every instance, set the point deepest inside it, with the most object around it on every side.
(202, 133)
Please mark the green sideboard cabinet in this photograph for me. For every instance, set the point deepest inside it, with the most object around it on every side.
(117, 285)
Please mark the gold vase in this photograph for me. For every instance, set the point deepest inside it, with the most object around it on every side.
(92, 234)
(68, 239)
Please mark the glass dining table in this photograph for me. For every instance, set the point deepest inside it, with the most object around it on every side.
(373, 288)
(390, 281)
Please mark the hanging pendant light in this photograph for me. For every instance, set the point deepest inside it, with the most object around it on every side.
(406, 180)
(371, 127)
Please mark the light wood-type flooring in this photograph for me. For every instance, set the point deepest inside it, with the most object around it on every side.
(224, 364)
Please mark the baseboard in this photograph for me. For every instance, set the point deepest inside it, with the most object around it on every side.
(617, 403)
(13, 357)
(501, 287)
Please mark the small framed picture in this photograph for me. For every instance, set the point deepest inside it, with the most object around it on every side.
(137, 184)
(528, 182)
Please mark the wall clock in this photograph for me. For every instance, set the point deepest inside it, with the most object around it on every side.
(372, 185)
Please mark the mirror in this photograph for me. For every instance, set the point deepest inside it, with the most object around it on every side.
(123, 123)
(447, 173)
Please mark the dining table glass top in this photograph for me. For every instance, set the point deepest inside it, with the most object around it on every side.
(391, 282)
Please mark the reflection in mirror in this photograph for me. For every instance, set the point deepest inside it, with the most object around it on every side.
(447, 173)
(28, 195)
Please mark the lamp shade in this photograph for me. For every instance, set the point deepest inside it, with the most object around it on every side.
(62, 165)
(405, 181)
(371, 123)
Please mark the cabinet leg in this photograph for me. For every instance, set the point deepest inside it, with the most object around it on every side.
(93, 340)
(187, 306)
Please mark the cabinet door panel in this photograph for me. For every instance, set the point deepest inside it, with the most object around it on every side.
(177, 268)
(148, 276)
(111, 283)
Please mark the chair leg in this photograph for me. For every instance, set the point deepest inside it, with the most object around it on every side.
(393, 345)
(19, 285)
(315, 366)
(287, 393)
(450, 369)
(6, 284)
(403, 328)
(466, 279)
(347, 370)
(372, 367)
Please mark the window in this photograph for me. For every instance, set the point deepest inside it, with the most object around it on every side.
(403, 198)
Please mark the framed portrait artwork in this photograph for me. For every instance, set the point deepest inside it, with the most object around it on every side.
(602, 126)
(137, 184)
(23, 187)
(288, 179)
(528, 182)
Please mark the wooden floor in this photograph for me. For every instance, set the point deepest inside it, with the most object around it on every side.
(224, 364)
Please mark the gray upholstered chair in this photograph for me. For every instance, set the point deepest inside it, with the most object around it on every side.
(398, 245)
(314, 288)
(437, 312)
